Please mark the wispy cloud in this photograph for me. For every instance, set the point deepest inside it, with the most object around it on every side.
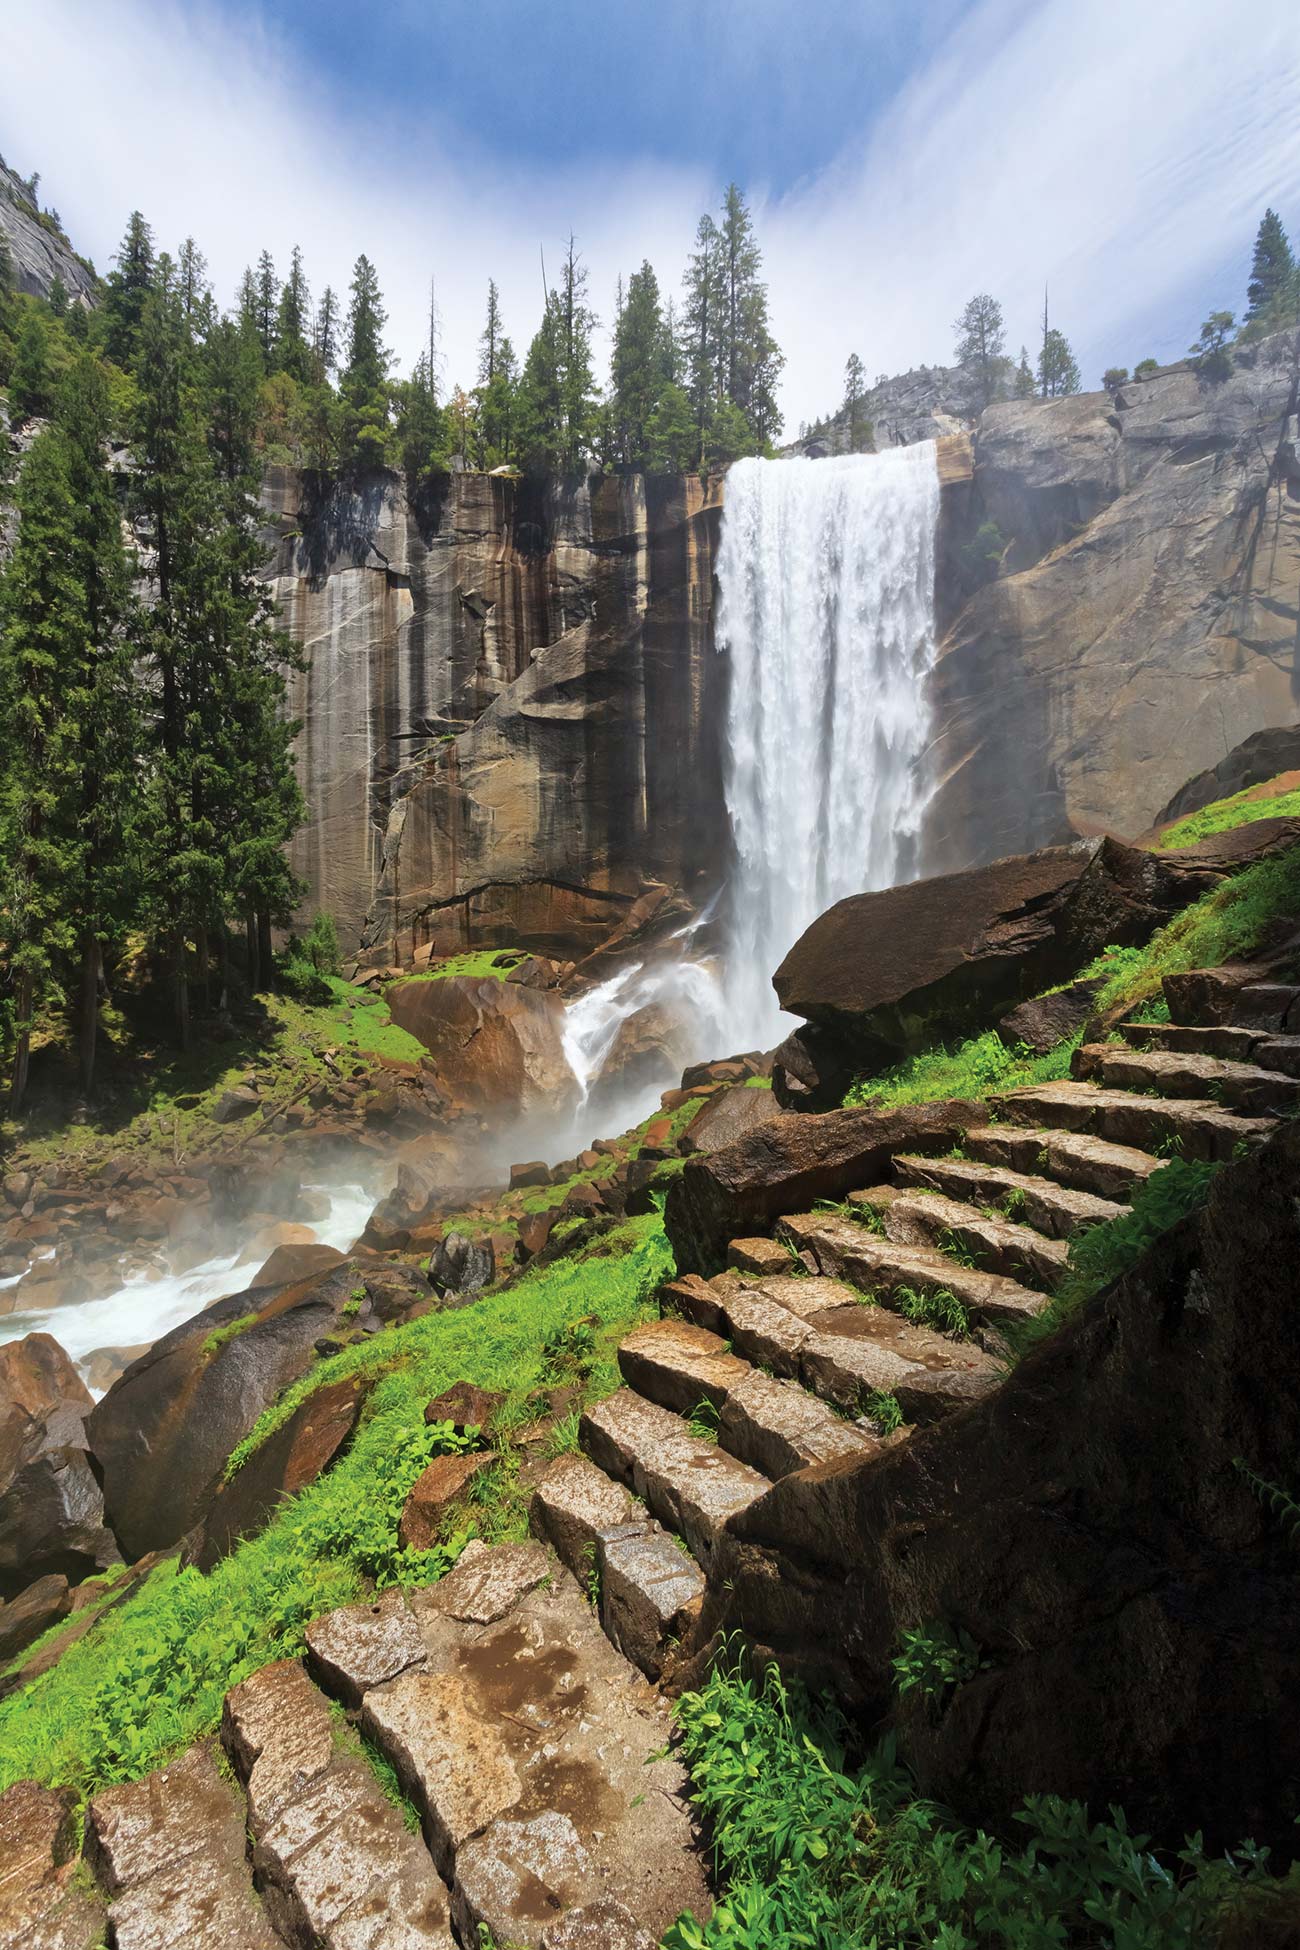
(1123, 155)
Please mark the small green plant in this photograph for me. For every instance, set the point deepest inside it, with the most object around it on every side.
(568, 1352)
(957, 1249)
(883, 1410)
(1013, 1201)
(220, 1335)
(704, 1419)
(1279, 1503)
(591, 1573)
(933, 1660)
(939, 1308)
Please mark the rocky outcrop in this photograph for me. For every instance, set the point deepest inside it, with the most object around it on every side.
(1256, 762)
(39, 249)
(496, 1046)
(51, 1507)
(1142, 619)
(1092, 1527)
(510, 723)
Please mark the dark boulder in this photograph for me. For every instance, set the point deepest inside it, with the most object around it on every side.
(461, 1265)
(296, 1262)
(465, 1406)
(161, 1435)
(1092, 1529)
(1256, 761)
(292, 1457)
(1046, 1020)
(789, 1162)
(812, 1069)
(937, 958)
(32, 1612)
(51, 1507)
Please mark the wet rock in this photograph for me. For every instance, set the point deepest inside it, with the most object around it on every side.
(33, 1611)
(455, 1764)
(465, 1406)
(486, 1584)
(461, 1265)
(522, 1176)
(788, 1163)
(362, 1646)
(518, 1877)
(811, 1070)
(730, 1114)
(597, 1926)
(293, 1456)
(161, 1435)
(1046, 1020)
(44, 1905)
(288, 1263)
(497, 1046)
(51, 1507)
(534, 1229)
(444, 1481)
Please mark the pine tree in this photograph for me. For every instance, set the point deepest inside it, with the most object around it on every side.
(127, 290)
(672, 435)
(30, 386)
(860, 428)
(1025, 385)
(292, 352)
(1058, 372)
(421, 424)
(639, 368)
(703, 320)
(195, 291)
(58, 298)
(325, 332)
(497, 405)
(539, 411)
(981, 347)
(1272, 267)
(364, 385)
(577, 380)
(267, 305)
(490, 339)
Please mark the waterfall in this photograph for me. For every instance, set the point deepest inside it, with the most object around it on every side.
(826, 612)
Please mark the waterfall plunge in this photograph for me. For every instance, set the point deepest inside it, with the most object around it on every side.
(826, 611)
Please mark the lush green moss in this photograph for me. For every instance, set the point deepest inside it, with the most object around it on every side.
(969, 1069)
(151, 1675)
(1242, 809)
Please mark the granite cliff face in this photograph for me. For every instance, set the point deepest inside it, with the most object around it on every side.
(40, 253)
(513, 718)
(510, 724)
(1143, 620)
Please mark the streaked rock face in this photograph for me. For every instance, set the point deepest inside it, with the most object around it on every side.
(509, 724)
(1145, 619)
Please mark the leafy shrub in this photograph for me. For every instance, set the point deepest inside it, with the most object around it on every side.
(883, 1410)
(821, 1854)
(934, 1659)
(1145, 368)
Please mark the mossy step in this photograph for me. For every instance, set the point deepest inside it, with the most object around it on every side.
(847, 1250)
(994, 1243)
(1232, 1085)
(691, 1485)
(774, 1426)
(1057, 1211)
(1074, 1159)
(826, 1335)
(1196, 1129)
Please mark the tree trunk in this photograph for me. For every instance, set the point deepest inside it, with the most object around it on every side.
(254, 960)
(264, 947)
(22, 1043)
(88, 1019)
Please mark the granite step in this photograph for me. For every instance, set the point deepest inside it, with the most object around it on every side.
(1197, 1039)
(1075, 1160)
(1057, 1211)
(649, 1590)
(847, 1250)
(774, 1426)
(823, 1334)
(1232, 1085)
(1197, 1129)
(524, 1740)
(169, 1852)
(691, 1485)
(995, 1244)
(338, 1868)
(45, 1900)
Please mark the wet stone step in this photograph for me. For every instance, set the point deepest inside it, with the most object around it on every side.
(995, 1244)
(526, 1743)
(1088, 1164)
(1198, 1039)
(1057, 1211)
(649, 1588)
(169, 1850)
(691, 1485)
(1202, 1130)
(846, 1349)
(848, 1250)
(337, 1865)
(1232, 1085)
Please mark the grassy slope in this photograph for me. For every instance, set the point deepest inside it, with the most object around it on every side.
(152, 1676)
(1223, 815)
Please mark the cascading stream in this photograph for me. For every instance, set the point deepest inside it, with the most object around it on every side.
(826, 612)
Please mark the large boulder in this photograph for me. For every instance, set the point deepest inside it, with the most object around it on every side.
(1103, 1528)
(497, 1046)
(647, 1051)
(161, 1435)
(726, 1116)
(51, 1507)
(1256, 761)
(789, 1161)
(892, 971)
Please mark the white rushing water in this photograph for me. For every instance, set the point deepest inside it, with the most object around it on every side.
(826, 613)
(145, 1308)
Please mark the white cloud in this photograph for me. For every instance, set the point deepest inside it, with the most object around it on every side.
(1123, 154)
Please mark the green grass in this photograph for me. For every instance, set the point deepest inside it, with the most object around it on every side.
(220, 1335)
(476, 964)
(1224, 815)
(968, 1069)
(151, 1676)
(362, 1024)
(822, 1851)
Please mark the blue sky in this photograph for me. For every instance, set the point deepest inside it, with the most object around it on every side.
(898, 156)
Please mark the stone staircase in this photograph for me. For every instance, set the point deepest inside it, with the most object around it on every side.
(516, 1703)
(896, 1303)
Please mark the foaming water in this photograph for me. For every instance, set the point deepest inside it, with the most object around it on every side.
(143, 1309)
(826, 613)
